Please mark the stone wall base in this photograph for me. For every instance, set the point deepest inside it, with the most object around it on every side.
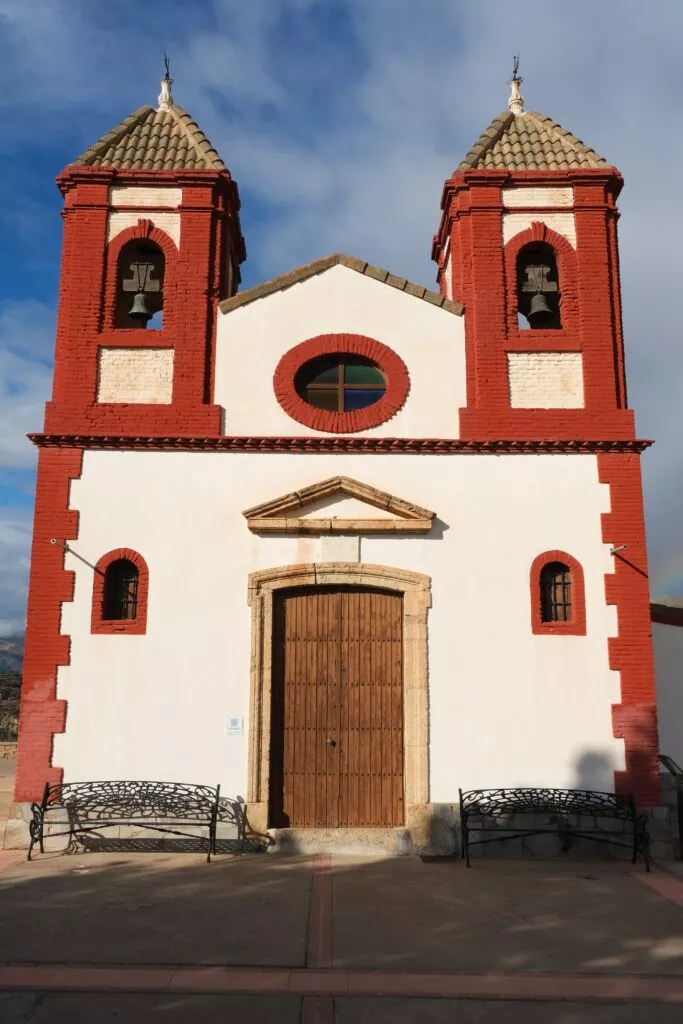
(430, 830)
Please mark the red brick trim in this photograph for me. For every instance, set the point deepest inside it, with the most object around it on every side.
(42, 714)
(565, 255)
(128, 335)
(577, 625)
(313, 445)
(630, 652)
(136, 626)
(395, 370)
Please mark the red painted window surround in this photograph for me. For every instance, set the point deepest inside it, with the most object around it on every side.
(576, 626)
(393, 367)
(136, 626)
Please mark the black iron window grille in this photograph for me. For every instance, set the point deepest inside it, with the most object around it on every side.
(120, 598)
(556, 592)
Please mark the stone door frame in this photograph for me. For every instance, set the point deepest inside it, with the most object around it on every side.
(416, 590)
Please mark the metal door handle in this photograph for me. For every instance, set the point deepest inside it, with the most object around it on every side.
(330, 742)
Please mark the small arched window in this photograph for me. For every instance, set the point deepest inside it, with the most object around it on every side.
(120, 591)
(556, 592)
(140, 285)
(538, 289)
(558, 603)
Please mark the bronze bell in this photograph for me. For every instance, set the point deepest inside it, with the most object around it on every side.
(538, 307)
(140, 310)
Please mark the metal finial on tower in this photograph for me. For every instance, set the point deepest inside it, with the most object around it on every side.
(165, 97)
(516, 101)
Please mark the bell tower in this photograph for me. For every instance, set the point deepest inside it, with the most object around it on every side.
(528, 243)
(152, 242)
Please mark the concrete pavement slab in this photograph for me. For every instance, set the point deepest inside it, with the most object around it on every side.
(133, 1008)
(502, 916)
(156, 909)
(463, 1011)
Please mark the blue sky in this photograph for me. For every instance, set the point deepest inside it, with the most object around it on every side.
(340, 120)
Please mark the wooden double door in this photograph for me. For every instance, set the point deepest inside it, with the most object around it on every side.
(337, 708)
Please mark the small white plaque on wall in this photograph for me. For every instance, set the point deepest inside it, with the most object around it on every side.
(235, 726)
(340, 547)
(143, 376)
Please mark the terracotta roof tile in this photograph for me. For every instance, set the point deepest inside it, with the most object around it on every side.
(260, 291)
(529, 142)
(152, 139)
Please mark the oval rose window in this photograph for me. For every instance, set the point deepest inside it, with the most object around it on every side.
(340, 382)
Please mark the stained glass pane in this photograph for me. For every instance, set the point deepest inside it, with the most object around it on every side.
(327, 375)
(362, 373)
(360, 399)
(321, 398)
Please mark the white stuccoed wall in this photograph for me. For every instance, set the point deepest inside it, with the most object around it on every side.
(506, 707)
(668, 647)
(429, 340)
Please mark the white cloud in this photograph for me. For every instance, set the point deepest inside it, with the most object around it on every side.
(26, 342)
(342, 133)
(15, 541)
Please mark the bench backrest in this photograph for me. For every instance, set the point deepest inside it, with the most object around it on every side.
(495, 803)
(130, 799)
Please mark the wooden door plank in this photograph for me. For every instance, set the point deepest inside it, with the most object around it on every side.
(337, 674)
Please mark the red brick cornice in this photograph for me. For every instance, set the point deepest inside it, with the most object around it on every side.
(72, 176)
(393, 367)
(313, 445)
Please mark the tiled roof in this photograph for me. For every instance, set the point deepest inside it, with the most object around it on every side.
(260, 291)
(154, 140)
(529, 142)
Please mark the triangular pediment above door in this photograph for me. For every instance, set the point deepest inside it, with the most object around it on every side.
(339, 505)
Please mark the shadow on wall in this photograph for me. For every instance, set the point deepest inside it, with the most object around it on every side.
(594, 770)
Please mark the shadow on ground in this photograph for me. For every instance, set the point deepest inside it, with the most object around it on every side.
(390, 913)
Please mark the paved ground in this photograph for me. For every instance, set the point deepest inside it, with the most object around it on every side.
(160, 936)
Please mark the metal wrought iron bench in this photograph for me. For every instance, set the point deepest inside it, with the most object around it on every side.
(491, 814)
(85, 808)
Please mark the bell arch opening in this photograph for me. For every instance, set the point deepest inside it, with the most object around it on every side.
(140, 285)
(538, 288)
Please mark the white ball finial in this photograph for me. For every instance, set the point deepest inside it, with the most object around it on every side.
(165, 98)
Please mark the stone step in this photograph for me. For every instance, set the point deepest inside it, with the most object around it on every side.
(380, 842)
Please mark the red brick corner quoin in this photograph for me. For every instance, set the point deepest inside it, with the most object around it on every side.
(630, 651)
(393, 367)
(138, 625)
(576, 626)
(42, 714)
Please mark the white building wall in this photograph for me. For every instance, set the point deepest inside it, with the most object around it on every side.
(668, 648)
(506, 707)
(251, 340)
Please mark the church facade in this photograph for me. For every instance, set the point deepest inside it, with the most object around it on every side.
(337, 542)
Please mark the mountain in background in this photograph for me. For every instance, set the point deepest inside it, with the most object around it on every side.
(12, 653)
